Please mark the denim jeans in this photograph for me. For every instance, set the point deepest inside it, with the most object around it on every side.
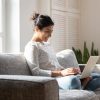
(69, 82)
(73, 82)
(94, 83)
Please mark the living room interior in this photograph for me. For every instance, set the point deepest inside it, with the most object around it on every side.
(76, 28)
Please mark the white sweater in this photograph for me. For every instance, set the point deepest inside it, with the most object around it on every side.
(41, 58)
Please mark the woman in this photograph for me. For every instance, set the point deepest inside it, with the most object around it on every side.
(43, 62)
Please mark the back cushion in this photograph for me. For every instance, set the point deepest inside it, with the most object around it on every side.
(67, 58)
(13, 64)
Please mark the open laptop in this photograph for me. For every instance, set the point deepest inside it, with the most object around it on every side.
(89, 67)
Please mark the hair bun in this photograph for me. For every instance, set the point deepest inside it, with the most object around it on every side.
(35, 16)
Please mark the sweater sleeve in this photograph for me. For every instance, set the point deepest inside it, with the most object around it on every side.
(31, 54)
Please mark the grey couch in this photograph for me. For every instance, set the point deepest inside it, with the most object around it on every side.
(17, 83)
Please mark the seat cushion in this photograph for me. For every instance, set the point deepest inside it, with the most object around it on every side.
(77, 95)
(98, 93)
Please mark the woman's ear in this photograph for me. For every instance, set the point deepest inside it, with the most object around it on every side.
(37, 29)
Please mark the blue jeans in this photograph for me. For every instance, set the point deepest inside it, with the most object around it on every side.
(69, 82)
(73, 82)
(94, 83)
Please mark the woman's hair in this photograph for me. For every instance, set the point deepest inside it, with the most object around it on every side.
(42, 21)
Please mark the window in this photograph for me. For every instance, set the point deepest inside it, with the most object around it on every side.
(0, 16)
(1, 26)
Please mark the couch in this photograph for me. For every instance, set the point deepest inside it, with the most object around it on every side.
(17, 83)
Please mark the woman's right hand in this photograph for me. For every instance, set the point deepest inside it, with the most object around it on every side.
(70, 71)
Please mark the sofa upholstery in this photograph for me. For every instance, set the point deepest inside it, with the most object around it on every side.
(18, 87)
(77, 95)
(17, 83)
(13, 64)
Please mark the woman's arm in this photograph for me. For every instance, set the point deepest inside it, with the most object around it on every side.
(31, 54)
(56, 73)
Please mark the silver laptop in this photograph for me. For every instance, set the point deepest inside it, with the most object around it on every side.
(89, 67)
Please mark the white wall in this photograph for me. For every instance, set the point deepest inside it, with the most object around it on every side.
(90, 23)
(45, 7)
(27, 8)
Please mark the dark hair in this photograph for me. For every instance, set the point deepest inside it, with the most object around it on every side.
(42, 21)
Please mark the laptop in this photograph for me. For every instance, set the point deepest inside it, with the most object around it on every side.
(89, 67)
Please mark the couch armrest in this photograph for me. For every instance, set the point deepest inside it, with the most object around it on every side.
(19, 87)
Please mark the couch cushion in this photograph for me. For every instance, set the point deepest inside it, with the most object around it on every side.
(98, 93)
(67, 58)
(13, 64)
(77, 95)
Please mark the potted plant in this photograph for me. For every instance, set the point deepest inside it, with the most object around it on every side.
(82, 58)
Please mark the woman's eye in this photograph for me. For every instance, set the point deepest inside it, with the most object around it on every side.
(47, 31)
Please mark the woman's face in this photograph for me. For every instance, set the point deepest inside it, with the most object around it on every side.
(46, 33)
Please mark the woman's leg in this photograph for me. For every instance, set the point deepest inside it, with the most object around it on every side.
(94, 83)
(69, 82)
(95, 75)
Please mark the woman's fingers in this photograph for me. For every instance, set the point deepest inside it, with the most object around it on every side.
(67, 72)
(70, 71)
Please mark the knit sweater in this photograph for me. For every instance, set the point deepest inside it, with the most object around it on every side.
(41, 58)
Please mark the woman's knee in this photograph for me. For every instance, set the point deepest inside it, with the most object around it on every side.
(95, 75)
(75, 82)
(93, 84)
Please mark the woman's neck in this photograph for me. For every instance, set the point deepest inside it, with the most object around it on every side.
(36, 38)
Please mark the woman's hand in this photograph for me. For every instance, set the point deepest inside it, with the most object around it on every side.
(70, 71)
(66, 72)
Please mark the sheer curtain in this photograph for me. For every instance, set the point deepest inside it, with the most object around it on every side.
(0, 25)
